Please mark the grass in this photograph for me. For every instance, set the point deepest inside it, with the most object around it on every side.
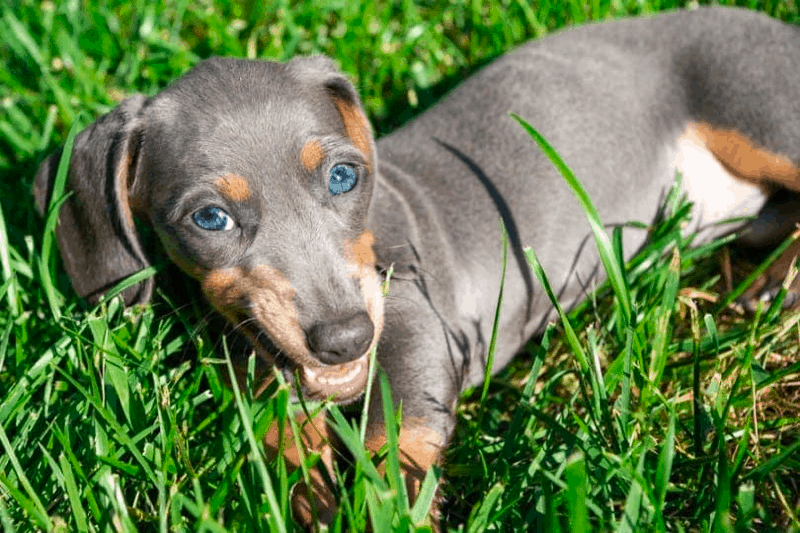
(651, 406)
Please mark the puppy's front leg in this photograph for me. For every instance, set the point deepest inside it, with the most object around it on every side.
(314, 437)
(423, 365)
(420, 448)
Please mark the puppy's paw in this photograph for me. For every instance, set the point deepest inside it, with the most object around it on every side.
(315, 506)
(313, 501)
(751, 301)
(765, 289)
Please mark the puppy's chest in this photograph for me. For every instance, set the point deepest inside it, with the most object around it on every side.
(717, 193)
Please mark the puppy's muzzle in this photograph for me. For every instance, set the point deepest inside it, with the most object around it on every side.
(330, 356)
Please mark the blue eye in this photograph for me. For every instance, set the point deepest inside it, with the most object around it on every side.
(213, 218)
(343, 179)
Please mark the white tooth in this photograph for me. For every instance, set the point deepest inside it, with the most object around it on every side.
(338, 381)
(311, 375)
(349, 376)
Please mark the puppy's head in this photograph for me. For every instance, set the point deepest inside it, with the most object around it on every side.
(257, 178)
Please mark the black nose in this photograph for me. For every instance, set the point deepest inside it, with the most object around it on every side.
(339, 341)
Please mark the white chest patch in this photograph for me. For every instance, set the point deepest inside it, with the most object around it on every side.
(716, 193)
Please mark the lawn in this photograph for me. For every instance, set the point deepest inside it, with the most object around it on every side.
(656, 405)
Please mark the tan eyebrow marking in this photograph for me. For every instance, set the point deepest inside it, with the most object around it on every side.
(312, 154)
(233, 187)
(356, 127)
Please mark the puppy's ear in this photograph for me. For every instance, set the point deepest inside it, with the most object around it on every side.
(321, 71)
(96, 234)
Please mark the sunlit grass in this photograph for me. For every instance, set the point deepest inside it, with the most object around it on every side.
(663, 413)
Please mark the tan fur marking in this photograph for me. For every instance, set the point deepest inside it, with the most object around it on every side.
(220, 288)
(268, 295)
(356, 127)
(314, 438)
(312, 154)
(360, 258)
(273, 307)
(122, 190)
(359, 253)
(420, 448)
(744, 158)
(233, 187)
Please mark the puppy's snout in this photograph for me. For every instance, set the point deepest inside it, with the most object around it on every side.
(340, 341)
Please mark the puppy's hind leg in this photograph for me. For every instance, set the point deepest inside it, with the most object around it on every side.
(775, 223)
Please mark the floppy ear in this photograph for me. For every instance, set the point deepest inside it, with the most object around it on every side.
(96, 234)
(321, 71)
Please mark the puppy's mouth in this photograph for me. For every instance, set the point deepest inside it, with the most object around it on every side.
(341, 383)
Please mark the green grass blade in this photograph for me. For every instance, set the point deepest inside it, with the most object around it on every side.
(572, 337)
(607, 256)
(393, 455)
(47, 130)
(130, 281)
(633, 503)
(5, 517)
(722, 514)
(352, 439)
(665, 460)
(119, 515)
(598, 411)
(427, 492)
(659, 354)
(35, 507)
(489, 370)
(57, 199)
(373, 366)
(5, 266)
(274, 517)
(23, 38)
(623, 403)
(115, 372)
(745, 499)
(120, 431)
(755, 274)
(577, 491)
(30, 507)
(480, 517)
(773, 463)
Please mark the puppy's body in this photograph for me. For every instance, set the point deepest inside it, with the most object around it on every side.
(294, 258)
(621, 103)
